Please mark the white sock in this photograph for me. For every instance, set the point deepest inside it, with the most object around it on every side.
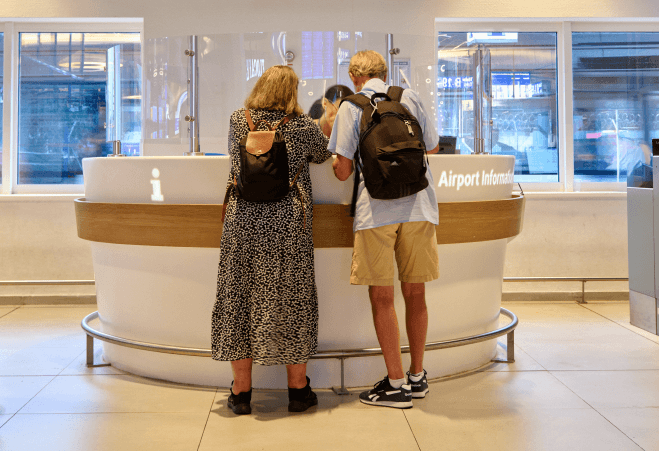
(396, 383)
(416, 377)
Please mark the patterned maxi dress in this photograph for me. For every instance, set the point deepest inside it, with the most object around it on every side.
(267, 304)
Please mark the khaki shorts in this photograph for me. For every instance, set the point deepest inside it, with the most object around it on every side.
(413, 243)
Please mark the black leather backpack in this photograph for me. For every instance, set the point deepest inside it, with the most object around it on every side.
(391, 152)
(263, 175)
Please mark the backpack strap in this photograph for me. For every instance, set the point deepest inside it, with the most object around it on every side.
(253, 126)
(395, 93)
(362, 102)
(285, 120)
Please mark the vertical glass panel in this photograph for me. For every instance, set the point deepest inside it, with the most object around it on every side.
(229, 67)
(62, 108)
(2, 51)
(616, 103)
(523, 97)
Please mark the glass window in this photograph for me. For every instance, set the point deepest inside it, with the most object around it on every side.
(63, 88)
(616, 103)
(523, 100)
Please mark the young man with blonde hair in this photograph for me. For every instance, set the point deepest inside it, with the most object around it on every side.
(404, 227)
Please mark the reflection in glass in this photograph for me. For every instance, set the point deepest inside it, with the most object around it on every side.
(616, 103)
(62, 102)
(524, 103)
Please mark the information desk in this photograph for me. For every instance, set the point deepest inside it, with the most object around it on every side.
(154, 224)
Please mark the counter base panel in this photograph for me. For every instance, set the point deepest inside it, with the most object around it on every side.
(325, 373)
(165, 295)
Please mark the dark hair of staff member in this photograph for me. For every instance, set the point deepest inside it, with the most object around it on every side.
(266, 308)
(330, 106)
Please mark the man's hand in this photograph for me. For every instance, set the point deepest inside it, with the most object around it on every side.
(435, 150)
(342, 167)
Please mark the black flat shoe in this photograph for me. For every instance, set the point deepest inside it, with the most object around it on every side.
(300, 399)
(240, 403)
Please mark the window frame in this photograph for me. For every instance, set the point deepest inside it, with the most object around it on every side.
(563, 27)
(12, 29)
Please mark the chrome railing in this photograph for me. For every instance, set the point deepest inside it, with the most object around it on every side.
(341, 354)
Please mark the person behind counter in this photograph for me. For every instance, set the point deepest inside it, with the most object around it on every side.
(404, 227)
(330, 106)
(266, 311)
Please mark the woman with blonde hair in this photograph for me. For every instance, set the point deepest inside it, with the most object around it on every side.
(266, 310)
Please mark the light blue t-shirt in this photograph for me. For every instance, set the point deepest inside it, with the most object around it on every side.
(369, 212)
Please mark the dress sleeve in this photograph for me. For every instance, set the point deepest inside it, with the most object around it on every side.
(317, 142)
(234, 146)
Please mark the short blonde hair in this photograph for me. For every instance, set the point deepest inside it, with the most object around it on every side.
(368, 63)
(275, 90)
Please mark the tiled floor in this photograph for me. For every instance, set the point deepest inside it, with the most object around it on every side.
(584, 379)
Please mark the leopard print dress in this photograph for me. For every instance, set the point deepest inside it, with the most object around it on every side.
(267, 305)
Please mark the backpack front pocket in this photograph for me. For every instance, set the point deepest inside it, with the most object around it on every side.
(402, 162)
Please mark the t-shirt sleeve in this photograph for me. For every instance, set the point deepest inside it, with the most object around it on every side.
(345, 133)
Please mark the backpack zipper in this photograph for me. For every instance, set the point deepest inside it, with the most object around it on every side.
(409, 127)
(407, 122)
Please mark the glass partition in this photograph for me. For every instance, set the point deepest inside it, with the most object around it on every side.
(616, 103)
(523, 97)
(62, 115)
(229, 66)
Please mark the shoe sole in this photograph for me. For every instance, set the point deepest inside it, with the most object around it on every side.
(239, 409)
(420, 394)
(300, 409)
(394, 404)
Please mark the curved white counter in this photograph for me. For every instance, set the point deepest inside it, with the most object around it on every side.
(164, 294)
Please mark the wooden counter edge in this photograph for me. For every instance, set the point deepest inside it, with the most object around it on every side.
(200, 225)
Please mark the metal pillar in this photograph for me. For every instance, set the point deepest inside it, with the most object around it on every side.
(391, 51)
(193, 98)
(477, 73)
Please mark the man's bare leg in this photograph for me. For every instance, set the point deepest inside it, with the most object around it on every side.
(386, 328)
(416, 321)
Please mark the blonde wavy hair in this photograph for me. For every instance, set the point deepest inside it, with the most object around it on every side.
(275, 90)
(368, 63)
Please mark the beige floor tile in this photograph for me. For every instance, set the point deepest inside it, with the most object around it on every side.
(4, 419)
(104, 432)
(460, 429)
(550, 312)
(523, 361)
(90, 307)
(16, 391)
(613, 389)
(324, 429)
(586, 346)
(79, 365)
(51, 327)
(276, 401)
(4, 311)
(639, 424)
(118, 393)
(619, 312)
(615, 311)
(36, 361)
(500, 391)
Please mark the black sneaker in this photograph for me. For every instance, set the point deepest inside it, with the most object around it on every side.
(300, 399)
(420, 388)
(240, 403)
(383, 394)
